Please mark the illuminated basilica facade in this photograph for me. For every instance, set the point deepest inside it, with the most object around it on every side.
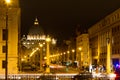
(33, 47)
(35, 34)
(31, 51)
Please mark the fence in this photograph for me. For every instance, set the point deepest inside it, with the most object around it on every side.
(56, 77)
(38, 76)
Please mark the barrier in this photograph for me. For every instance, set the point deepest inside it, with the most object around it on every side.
(61, 76)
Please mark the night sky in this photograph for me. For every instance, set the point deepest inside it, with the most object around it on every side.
(60, 17)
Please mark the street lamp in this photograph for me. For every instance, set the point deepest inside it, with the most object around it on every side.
(80, 49)
(108, 54)
(73, 51)
(7, 1)
(64, 56)
(48, 39)
(41, 47)
(68, 53)
(6, 57)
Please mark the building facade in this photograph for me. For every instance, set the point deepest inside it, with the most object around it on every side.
(82, 50)
(13, 12)
(103, 32)
(34, 47)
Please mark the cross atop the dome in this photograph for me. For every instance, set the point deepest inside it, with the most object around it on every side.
(36, 22)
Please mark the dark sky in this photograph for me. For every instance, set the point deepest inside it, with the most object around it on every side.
(60, 17)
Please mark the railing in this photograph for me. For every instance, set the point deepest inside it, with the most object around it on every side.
(61, 76)
(38, 76)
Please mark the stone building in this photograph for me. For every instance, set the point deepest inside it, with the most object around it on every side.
(13, 13)
(107, 30)
(82, 50)
(34, 46)
(31, 44)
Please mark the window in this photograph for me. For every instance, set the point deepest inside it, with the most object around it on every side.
(4, 36)
(4, 49)
(3, 63)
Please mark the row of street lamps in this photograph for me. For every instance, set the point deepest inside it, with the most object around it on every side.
(48, 40)
(48, 55)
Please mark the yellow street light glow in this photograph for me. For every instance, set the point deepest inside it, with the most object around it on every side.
(68, 52)
(48, 39)
(80, 48)
(73, 50)
(45, 57)
(22, 59)
(33, 52)
(41, 45)
(53, 41)
(28, 43)
(25, 56)
(37, 48)
(44, 43)
(7, 1)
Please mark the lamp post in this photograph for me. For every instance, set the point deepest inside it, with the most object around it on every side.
(80, 57)
(73, 51)
(48, 39)
(64, 55)
(108, 55)
(41, 56)
(68, 55)
(6, 57)
(53, 41)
